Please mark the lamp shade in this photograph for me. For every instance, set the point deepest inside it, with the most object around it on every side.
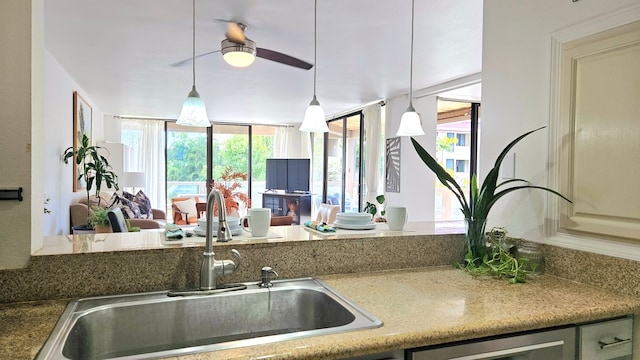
(193, 112)
(314, 119)
(133, 179)
(410, 124)
(239, 55)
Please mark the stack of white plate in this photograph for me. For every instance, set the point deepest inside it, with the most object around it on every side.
(233, 222)
(354, 221)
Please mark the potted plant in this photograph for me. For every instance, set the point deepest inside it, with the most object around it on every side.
(229, 186)
(372, 209)
(95, 170)
(99, 220)
(482, 199)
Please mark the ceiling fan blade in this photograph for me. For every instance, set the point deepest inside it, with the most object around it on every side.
(189, 60)
(235, 33)
(282, 58)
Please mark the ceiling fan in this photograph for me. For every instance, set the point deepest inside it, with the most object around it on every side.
(240, 51)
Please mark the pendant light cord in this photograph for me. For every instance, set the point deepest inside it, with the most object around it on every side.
(411, 66)
(315, 45)
(193, 45)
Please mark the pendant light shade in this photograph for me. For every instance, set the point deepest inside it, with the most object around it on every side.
(410, 122)
(193, 112)
(314, 118)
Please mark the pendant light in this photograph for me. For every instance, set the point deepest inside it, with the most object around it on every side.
(314, 119)
(193, 111)
(410, 123)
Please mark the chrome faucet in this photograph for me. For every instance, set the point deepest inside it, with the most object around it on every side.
(212, 268)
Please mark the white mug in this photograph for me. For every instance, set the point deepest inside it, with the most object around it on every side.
(258, 221)
(396, 217)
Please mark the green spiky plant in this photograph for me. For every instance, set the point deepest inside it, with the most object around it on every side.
(95, 168)
(482, 199)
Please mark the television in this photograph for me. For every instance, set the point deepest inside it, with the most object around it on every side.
(290, 175)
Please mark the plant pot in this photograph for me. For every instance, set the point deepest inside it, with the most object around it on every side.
(82, 229)
(476, 238)
(101, 229)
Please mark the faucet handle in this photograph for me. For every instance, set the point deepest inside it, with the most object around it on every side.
(236, 254)
(228, 266)
(266, 276)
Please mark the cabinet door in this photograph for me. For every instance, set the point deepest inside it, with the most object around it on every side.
(273, 203)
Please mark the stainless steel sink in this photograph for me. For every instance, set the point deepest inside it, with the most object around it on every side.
(153, 325)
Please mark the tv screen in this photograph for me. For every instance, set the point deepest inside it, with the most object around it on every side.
(298, 174)
(276, 174)
(290, 175)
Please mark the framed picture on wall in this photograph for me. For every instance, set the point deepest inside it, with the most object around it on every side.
(392, 167)
(81, 125)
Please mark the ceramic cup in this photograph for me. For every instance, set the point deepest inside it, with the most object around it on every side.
(258, 221)
(396, 217)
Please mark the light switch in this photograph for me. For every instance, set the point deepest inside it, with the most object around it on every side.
(508, 167)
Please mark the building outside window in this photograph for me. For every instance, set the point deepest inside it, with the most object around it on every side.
(453, 152)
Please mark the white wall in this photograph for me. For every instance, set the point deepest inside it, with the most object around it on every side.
(58, 125)
(15, 130)
(417, 182)
(112, 126)
(516, 91)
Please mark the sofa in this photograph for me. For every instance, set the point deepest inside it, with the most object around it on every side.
(78, 213)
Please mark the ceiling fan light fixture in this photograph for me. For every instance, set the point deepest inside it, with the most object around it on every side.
(410, 123)
(193, 112)
(239, 55)
(314, 118)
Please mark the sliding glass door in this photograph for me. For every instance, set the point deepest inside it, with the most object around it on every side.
(197, 156)
(343, 157)
(186, 160)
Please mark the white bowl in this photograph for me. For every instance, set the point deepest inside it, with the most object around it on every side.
(233, 222)
(353, 218)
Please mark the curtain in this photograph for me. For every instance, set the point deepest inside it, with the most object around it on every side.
(304, 146)
(289, 142)
(372, 125)
(146, 153)
(280, 142)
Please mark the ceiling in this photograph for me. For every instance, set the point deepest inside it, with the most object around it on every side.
(119, 53)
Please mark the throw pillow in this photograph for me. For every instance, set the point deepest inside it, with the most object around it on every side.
(129, 208)
(188, 206)
(143, 202)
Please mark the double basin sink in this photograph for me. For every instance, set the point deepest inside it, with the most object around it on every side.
(154, 325)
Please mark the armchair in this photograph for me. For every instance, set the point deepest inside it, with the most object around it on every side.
(187, 212)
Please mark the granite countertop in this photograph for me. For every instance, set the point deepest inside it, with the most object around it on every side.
(156, 240)
(418, 307)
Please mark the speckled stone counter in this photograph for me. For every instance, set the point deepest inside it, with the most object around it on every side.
(109, 264)
(418, 307)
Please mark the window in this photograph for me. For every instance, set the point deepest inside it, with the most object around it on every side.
(190, 166)
(343, 162)
(449, 165)
(462, 139)
(456, 121)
